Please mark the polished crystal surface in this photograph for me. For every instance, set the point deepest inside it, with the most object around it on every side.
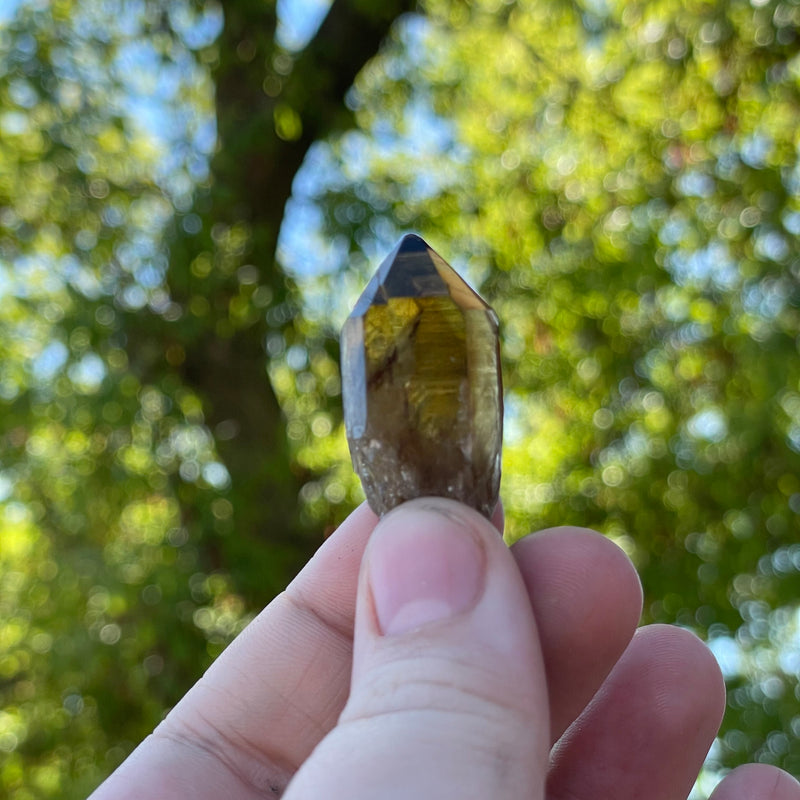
(423, 401)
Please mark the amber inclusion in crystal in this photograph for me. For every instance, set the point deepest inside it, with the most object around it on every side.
(423, 399)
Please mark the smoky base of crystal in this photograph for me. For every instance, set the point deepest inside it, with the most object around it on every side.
(390, 477)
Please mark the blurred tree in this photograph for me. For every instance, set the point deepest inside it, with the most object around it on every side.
(621, 179)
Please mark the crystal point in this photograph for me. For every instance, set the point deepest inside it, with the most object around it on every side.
(423, 400)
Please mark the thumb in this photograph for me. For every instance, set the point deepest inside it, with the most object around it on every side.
(448, 695)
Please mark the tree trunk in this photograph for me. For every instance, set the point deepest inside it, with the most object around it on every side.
(223, 358)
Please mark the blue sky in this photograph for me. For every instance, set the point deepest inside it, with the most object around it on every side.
(7, 9)
(298, 20)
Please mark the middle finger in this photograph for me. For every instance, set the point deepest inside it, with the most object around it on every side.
(587, 600)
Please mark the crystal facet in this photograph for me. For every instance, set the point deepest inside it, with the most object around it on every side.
(423, 398)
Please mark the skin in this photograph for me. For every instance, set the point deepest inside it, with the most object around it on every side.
(419, 657)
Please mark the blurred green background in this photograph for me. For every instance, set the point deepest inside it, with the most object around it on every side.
(191, 196)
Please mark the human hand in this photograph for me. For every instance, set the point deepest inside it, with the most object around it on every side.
(469, 661)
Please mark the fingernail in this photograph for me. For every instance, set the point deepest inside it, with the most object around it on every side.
(425, 564)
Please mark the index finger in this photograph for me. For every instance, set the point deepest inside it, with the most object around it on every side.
(263, 705)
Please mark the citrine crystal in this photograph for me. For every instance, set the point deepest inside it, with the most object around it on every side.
(423, 399)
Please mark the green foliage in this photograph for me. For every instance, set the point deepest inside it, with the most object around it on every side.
(620, 179)
(117, 583)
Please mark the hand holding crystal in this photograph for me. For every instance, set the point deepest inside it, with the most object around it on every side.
(419, 657)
